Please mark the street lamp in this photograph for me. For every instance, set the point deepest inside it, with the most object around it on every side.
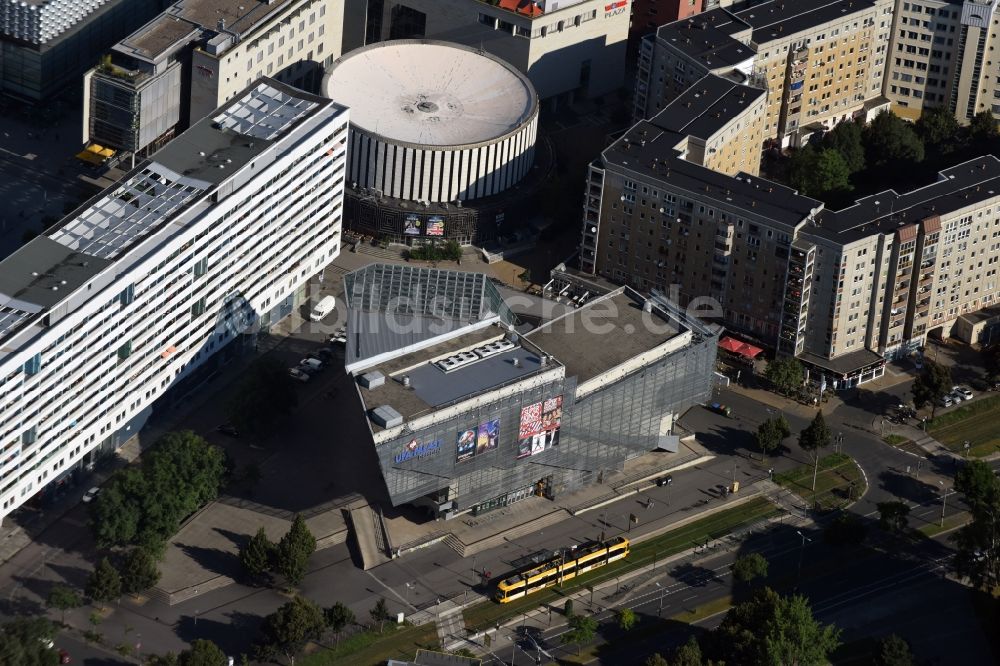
(659, 610)
(409, 586)
(966, 444)
(944, 500)
(802, 552)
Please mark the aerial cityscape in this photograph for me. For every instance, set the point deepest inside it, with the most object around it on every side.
(499, 332)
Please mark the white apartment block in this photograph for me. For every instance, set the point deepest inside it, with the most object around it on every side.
(136, 291)
(196, 56)
(566, 47)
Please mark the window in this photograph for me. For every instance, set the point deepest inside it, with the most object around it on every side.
(33, 365)
(125, 351)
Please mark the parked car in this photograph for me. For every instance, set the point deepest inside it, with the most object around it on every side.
(311, 362)
(964, 391)
(296, 373)
(309, 369)
(228, 429)
(946, 401)
(64, 657)
(90, 495)
(719, 408)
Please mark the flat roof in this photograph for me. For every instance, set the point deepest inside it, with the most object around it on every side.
(649, 151)
(432, 388)
(605, 333)
(240, 17)
(709, 38)
(430, 93)
(957, 187)
(778, 19)
(705, 107)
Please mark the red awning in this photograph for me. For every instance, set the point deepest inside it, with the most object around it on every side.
(744, 349)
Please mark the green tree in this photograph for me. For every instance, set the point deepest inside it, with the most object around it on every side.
(338, 617)
(63, 598)
(819, 172)
(772, 629)
(931, 385)
(891, 142)
(983, 127)
(893, 651)
(656, 659)
(24, 642)
(978, 542)
(770, 433)
(893, 516)
(749, 567)
(202, 653)
(939, 130)
(688, 654)
(139, 572)
(814, 437)
(582, 629)
(846, 139)
(626, 619)
(257, 554)
(287, 629)
(379, 613)
(116, 513)
(104, 583)
(786, 374)
(265, 399)
(568, 608)
(294, 550)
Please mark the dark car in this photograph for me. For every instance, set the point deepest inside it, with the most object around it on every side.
(64, 657)
(325, 355)
(228, 429)
(665, 480)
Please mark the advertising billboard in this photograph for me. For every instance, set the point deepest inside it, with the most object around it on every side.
(435, 226)
(489, 436)
(466, 444)
(411, 225)
(539, 427)
(415, 449)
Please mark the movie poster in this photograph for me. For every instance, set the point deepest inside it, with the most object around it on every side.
(411, 225)
(489, 436)
(539, 427)
(466, 444)
(435, 226)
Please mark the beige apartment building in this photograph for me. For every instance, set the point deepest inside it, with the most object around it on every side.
(820, 61)
(195, 57)
(941, 56)
(566, 47)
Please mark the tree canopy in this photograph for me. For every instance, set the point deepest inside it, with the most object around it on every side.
(379, 613)
(63, 598)
(23, 642)
(264, 400)
(770, 433)
(257, 554)
(771, 629)
(893, 516)
(202, 653)
(582, 629)
(626, 618)
(749, 567)
(146, 504)
(104, 583)
(338, 617)
(293, 551)
(931, 384)
(819, 172)
(846, 139)
(816, 435)
(978, 542)
(893, 651)
(289, 627)
(939, 129)
(139, 572)
(785, 373)
(892, 142)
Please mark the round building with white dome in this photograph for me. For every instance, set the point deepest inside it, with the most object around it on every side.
(434, 122)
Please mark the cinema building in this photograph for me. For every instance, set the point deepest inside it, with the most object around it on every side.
(469, 409)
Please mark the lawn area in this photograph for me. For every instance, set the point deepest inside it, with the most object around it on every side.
(833, 481)
(950, 523)
(487, 614)
(368, 648)
(973, 422)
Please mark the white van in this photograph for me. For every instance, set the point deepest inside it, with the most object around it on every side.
(324, 307)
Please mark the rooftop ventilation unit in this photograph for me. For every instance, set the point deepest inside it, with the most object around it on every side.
(457, 361)
(494, 348)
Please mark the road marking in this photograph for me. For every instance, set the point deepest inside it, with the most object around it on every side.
(392, 591)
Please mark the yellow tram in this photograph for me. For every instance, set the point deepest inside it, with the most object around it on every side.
(562, 567)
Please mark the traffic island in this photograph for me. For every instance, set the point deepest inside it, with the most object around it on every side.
(839, 482)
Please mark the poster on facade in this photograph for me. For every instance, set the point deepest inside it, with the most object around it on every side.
(466, 444)
(539, 427)
(411, 225)
(435, 226)
(489, 436)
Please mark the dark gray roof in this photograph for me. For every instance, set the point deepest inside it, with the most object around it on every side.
(705, 107)
(708, 38)
(957, 187)
(393, 307)
(775, 19)
(43, 272)
(648, 150)
(845, 364)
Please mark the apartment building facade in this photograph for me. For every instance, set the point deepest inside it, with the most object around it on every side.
(566, 47)
(941, 58)
(139, 290)
(821, 61)
(198, 55)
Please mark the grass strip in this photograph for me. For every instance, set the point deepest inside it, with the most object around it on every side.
(833, 481)
(895, 440)
(699, 613)
(950, 523)
(369, 647)
(487, 614)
